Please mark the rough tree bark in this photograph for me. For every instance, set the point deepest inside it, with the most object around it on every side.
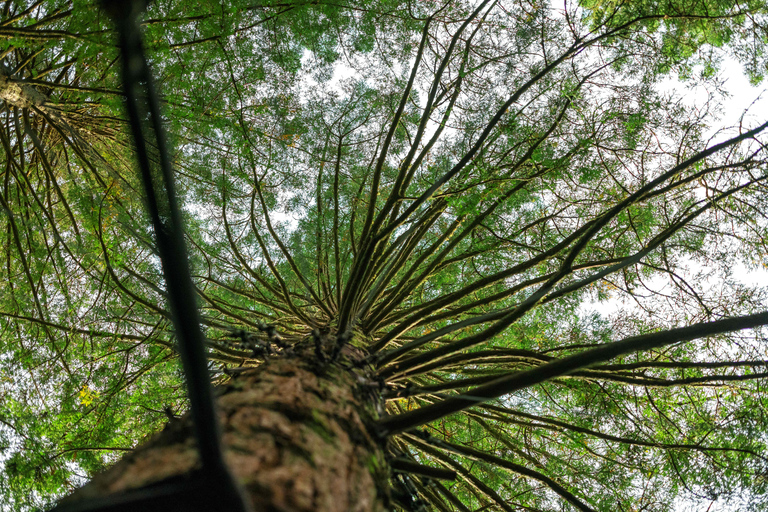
(296, 434)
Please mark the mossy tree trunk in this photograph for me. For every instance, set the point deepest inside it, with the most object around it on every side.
(296, 435)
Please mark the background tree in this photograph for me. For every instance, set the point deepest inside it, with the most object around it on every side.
(479, 173)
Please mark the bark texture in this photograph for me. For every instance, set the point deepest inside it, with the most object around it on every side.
(295, 436)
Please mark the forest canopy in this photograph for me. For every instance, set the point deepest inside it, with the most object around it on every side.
(536, 241)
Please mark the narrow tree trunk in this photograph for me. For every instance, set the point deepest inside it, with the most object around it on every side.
(295, 435)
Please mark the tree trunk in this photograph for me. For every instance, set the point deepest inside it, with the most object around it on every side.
(295, 435)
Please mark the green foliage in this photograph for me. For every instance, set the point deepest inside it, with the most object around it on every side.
(687, 32)
(462, 223)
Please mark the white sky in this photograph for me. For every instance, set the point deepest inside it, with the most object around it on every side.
(743, 97)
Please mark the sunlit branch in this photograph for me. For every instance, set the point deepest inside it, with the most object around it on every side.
(420, 226)
(412, 167)
(283, 288)
(592, 375)
(353, 241)
(469, 341)
(391, 355)
(387, 264)
(250, 297)
(417, 312)
(51, 175)
(482, 456)
(322, 278)
(474, 481)
(447, 57)
(394, 262)
(373, 321)
(24, 13)
(397, 368)
(578, 45)
(370, 239)
(494, 298)
(490, 357)
(504, 415)
(565, 366)
(407, 170)
(72, 329)
(479, 143)
(406, 290)
(640, 194)
(369, 218)
(353, 284)
(442, 302)
(320, 303)
(416, 364)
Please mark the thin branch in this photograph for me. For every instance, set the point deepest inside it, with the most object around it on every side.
(560, 367)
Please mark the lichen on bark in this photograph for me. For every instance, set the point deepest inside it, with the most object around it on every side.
(296, 435)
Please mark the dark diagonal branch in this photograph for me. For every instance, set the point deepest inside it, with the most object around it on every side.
(520, 380)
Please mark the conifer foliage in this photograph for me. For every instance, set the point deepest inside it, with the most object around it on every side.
(443, 195)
